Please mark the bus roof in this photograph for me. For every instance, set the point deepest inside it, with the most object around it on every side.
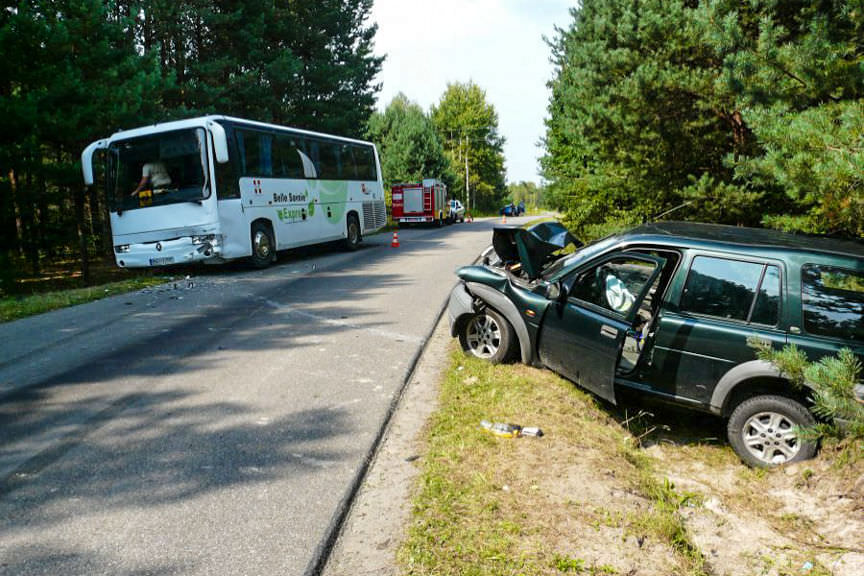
(201, 121)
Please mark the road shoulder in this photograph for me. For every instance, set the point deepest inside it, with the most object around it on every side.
(376, 522)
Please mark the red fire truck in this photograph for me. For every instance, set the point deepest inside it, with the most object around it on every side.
(422, 202)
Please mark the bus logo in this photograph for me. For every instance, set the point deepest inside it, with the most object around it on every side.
(256, 185)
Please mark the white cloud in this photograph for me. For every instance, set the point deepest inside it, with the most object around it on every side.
(498, 44)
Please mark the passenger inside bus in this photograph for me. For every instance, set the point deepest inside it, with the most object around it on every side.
(154, 176)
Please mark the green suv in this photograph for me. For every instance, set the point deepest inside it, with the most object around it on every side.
(666, 309)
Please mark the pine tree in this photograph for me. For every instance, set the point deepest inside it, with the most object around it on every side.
(796, 71)
(409, 147)
(724, 111)
(70, 74)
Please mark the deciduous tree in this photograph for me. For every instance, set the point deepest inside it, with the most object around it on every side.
(468, 127)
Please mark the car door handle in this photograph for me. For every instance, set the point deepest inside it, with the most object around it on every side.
(608, 332)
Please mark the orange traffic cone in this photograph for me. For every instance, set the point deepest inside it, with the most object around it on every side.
(395, 242)
(504, 219)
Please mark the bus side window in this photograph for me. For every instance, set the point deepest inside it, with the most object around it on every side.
(288, 162)
(328, 165)
(227, 185)
(249, 144)
(347, 162)
(364, 160)
(265, 168)
(310, 146)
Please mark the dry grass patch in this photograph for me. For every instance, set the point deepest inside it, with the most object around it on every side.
(583, 499)
(20, 306)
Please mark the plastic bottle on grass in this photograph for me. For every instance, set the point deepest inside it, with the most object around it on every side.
(501, 429)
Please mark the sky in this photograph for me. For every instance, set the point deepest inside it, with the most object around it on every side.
(497, 44)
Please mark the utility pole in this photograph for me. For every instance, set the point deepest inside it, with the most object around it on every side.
(467, 188)
(467, 143)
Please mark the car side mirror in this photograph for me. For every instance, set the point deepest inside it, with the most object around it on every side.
(556, 292)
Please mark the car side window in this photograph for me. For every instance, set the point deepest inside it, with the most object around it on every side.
(614, 284)
(833, 301)
(728, 289)
(766, 310)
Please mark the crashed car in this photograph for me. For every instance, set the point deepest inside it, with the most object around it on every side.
(666, 310)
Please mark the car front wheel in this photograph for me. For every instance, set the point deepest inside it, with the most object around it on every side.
(765, 431)
(489, 336)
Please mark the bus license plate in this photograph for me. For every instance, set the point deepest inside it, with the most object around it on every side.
(161, 261)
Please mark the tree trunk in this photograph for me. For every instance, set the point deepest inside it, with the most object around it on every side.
(7, 239)
(18, 239)
(45, 245)
(31, 247)
(82, 235)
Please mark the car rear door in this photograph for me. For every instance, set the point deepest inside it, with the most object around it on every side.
(724, 300)
(581, 338)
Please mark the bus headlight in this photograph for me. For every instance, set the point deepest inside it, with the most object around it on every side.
(121, 249)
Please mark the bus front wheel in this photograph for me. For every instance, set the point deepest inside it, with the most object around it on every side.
(352, 240)
(263, 246)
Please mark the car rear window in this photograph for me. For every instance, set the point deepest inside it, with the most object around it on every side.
(728, 289)
(833, 301)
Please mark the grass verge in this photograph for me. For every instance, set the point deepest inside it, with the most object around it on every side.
(583, 499)
(15, 307)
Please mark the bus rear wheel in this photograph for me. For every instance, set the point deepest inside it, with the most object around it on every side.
(352, 239)
(263, 246)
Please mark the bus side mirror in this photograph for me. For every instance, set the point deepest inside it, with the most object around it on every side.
(87, 160)
(220, 141)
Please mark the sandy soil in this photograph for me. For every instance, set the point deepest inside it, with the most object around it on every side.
(806, 518)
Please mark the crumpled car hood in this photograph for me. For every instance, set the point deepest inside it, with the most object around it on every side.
(532, 247)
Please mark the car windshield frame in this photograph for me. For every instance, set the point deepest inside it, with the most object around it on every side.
(185, 159)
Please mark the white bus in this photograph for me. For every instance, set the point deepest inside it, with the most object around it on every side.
(216, 188)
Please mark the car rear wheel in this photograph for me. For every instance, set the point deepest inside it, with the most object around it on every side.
(489, 336)
(765, 431)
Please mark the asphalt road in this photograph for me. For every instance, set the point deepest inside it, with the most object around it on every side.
(215, 426)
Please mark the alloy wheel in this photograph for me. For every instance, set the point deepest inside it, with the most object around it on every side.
(483, 336)
(771, 437)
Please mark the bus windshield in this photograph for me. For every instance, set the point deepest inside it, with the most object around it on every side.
(156, 170)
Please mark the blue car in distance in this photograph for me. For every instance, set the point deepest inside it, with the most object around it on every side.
(513, 209)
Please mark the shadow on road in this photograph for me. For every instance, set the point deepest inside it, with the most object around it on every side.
(121, 446)
(153, 452)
